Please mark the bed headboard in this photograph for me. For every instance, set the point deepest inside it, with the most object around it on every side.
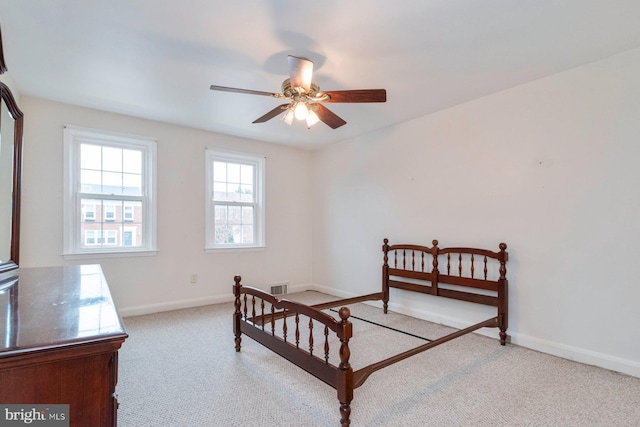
(467, 274)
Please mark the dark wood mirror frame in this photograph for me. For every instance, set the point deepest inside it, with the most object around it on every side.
(7, 98)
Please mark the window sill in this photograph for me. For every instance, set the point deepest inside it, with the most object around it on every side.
(237, 249)
(96, 255)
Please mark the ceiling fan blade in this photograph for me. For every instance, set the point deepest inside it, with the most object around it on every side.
(300, 73)
(328, 116)
(362, 95)
(247, 91)
(271, 114)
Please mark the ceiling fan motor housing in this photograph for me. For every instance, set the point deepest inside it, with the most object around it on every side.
(312, 95)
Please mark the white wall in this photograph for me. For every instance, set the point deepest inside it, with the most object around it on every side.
(550, 168)
(145, 284)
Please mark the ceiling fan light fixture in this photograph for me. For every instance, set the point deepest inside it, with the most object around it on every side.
(301, 110)
(312, 118)
(288, 116)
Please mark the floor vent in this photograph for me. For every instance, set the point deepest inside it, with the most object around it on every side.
(279, 288)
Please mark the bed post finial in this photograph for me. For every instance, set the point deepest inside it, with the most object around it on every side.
(344, 314)
(345, 380)
(237, 316)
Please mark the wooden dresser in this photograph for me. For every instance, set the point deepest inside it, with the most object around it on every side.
(59, 338)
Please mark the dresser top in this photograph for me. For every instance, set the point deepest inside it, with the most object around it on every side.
(53, 307)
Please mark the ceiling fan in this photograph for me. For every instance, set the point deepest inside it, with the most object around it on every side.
(304, 97)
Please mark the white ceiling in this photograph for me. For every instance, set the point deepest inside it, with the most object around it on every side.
(156, 59)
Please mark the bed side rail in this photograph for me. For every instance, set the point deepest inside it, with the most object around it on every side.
(360, 376)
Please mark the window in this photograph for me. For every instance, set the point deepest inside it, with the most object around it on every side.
(89, 212)
(128, 213)
(109, 182)
(90, 238)
(235, 200)
(109, 212)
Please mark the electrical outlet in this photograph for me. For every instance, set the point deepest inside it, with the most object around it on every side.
(194, 278)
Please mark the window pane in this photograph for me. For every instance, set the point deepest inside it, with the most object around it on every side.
(90, 181)
(132, 211)
(132, 236)
(220, 171)
(233, 192)
(236, 232)
(90, 157)
(247, 215)
(132, 161)
(221, 214)
(235, 215)
(132, 184)
(220, 191)
(88, 210)
(109, 211)
(246, 193)
(246, 174)
(90, 233)
(247, 234)
(222, 232)
(112, 159)
(233, 172)
(111, 183)
(111, 237)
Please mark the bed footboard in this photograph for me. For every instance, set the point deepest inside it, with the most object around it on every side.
(280, 325)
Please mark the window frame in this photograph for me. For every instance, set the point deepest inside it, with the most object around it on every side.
(73, 216)
(259, 164)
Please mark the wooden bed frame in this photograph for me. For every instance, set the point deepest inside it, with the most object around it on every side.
(409, 271)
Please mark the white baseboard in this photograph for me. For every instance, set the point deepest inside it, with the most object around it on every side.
(173, 305)
(140, 310)
(301, 288)
(331, 291)
(588, 357)
(577, 354)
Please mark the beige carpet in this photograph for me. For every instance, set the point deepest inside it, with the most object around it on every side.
(180, 368)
